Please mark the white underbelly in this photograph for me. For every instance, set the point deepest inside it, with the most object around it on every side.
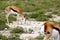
(12, 12)
(55, 33)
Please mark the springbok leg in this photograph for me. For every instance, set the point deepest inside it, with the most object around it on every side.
(48, 33)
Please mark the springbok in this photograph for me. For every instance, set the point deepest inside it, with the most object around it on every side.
(50, 29)
(14, 10)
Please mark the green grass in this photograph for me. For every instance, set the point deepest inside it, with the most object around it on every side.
(39, 7)
(3, 22)
(14, 37)
(37, 38)
(32, 5)
(18, 30)
(36, 6)
(11, 37)
(2, 37)
(12, 17)
(40, 16)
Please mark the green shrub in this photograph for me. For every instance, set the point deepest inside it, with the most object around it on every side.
(17, 30)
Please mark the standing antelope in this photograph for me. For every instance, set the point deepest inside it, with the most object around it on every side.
(51, 29)
(14, 10)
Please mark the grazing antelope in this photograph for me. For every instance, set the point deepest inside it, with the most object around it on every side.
(51, 29)
(14, 10)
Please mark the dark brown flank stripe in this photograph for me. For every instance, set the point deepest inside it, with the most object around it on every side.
(45, 27)
(56, 29)
(13, 9)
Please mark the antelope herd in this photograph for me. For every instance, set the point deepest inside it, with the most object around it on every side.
(49, 28)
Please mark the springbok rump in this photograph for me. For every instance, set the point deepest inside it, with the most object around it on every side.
(50, 29)
(15, 10)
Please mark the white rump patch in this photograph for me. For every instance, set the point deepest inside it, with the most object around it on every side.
(55, 33)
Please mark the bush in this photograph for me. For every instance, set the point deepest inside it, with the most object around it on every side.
(17, 30)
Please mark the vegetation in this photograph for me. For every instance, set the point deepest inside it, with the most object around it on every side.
(3, 22)
(37, 38)
(12, 17)
(3, 37)
(40, 16)
(13, 37)
(38, 8)
(32, 5)
(30, 30)
(18, 30)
